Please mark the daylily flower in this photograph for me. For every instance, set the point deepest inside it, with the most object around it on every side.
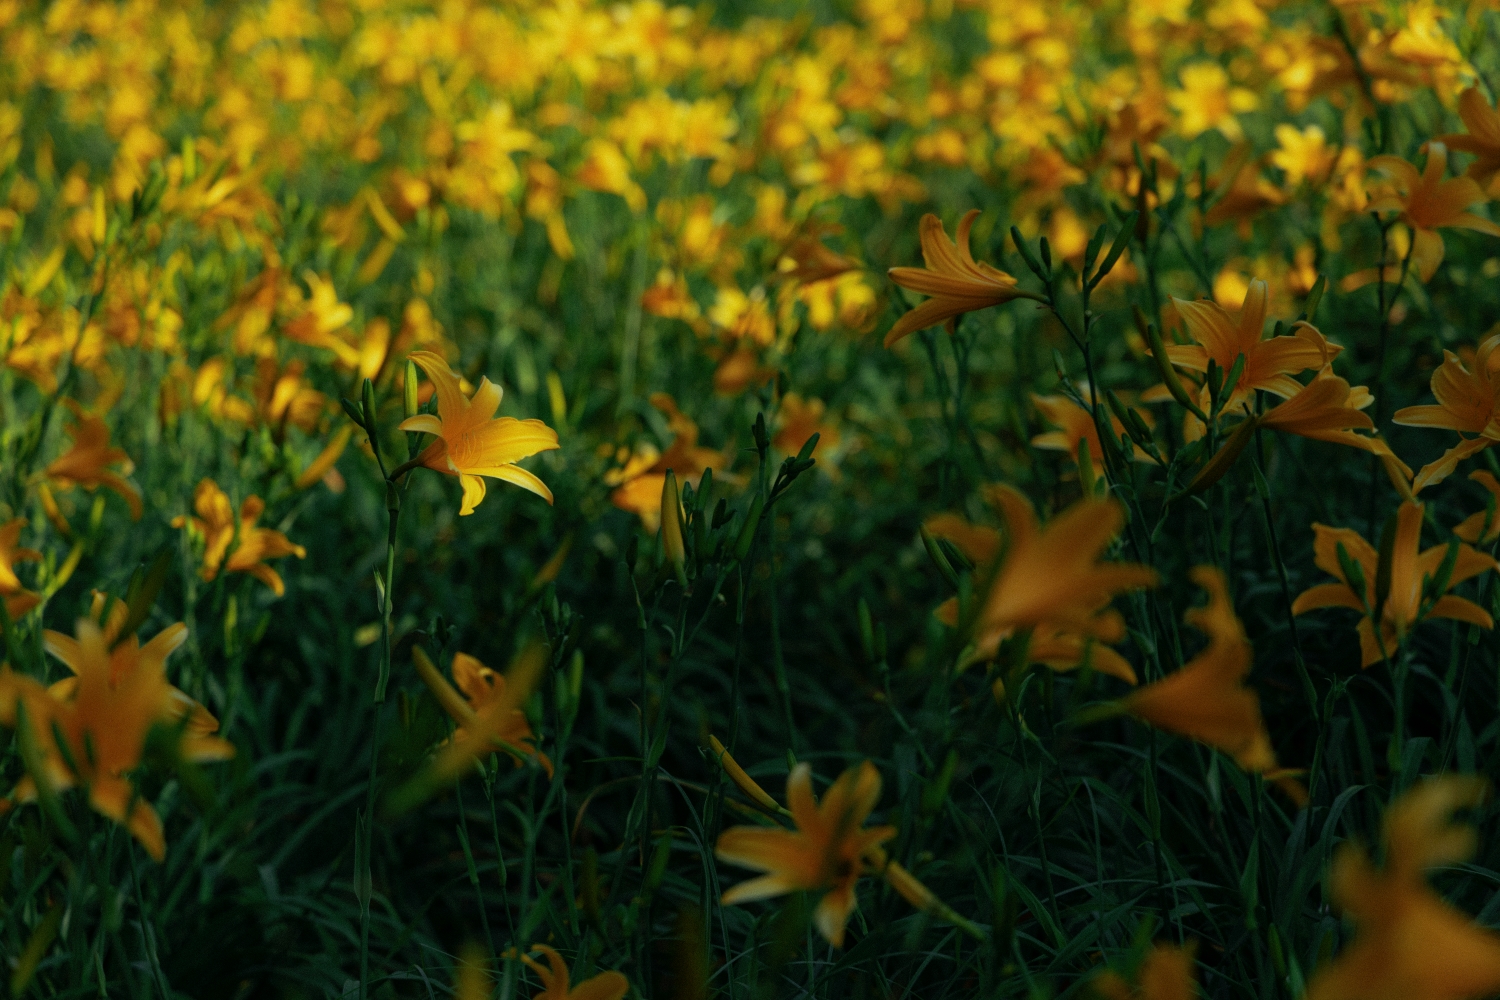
(1302, 154)
(556, 986)
(798, 420)
(1483, 138)
(829, 850)
(1207, 699)
(1466, 402)
(1222, 336)
(1166, 973)
(957, 283)
(1050, 579)
(470, 441)
(486, 710)
(88, 462)
(1208, 100)
(219, 528)
(1410, 944)
(1060, 648)
(1484, 527)
(18, 600)
(103, 714)
(638, 484)
(1077, 424)
(1408, 601)
(1329, 409)
(1427, 203)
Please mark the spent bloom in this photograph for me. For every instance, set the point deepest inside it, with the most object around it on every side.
(956, 282)
(471, 442)
(236, 544)
(1414, 593)
(1410, 944)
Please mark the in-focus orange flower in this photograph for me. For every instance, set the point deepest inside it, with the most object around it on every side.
(219, 528)
(639, 482)
(102, 716)
(556, 985)
(1483, 138)
(1410, 944)
(829, 849)
(1057, 647)
(1222, 336)
(1329, 409)
(18, 600)
(1408, 601)
(1207, 699)
(486, 710)
(88, 462)
(1050, 580)
(957, 283)
(1466, 402)
(1427, 203)
(471, 442)
(1166, 973)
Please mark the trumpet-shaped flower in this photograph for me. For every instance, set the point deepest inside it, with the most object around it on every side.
(956, 282)
(1410, 944)
(1466, 402)
(829, 849)
(1409, 600)
(1050, 579)
(1207, 699)
(1483, 138)
(471, 442)
(18, 600)
(557, 986)
(88, 462)
(486, 710)
(1427, 203)
(1222, 336)
(639, 482)
(236, 545)
(1329, 409)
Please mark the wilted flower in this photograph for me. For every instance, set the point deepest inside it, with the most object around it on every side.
(1414, 593)
(471, 441)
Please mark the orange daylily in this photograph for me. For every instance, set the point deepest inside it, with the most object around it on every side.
(88, 462)
(1407, 603)
(556, 985)
(956, 282)
(1050, 580)
(638, 484)
(102, 715)
(1427, 203)
(1329, 409)
(219, 528)
(799, 419)
(1077, 424)
(1484, 527)
(471, 442)
(18, 600)
(1410, 944)
(486, 711)
(1466, 402)
(1166, 973)
(1222, 336)
(1060, 648)
(1483, 138)
(1207, 698)
(829, 850)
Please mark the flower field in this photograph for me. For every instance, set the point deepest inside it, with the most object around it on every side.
(869, 499)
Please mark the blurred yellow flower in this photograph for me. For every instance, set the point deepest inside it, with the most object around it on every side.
(1207, 100)
(1166, 973)
(485, 711)
(18, 600)
(1302, 154)
(220, 529)
(471, 442)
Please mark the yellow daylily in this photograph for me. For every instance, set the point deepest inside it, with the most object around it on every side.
(471, 442)
(955, 281)
(486, 711)
(219, 528)
(1406, 603)
(1329, 409)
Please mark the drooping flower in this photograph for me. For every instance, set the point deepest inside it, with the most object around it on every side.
(486, 710)
(91, 729)
(471, 442)
(556, 985)
(217, 525)
(829, 849)
(1050, 579)
(18, 600)
(1410, 944)
(1483, 138)
(1466, 402)
(1427, 203)
(956, 282)
(88, 462)
(1222, 336)
(1207, 698)
(1408, 600)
